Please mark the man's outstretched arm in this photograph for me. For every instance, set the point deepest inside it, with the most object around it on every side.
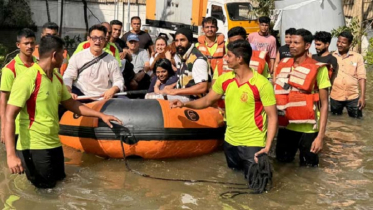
(14, 162)
(210, 99)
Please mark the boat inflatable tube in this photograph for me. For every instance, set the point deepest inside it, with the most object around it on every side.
(151, 130)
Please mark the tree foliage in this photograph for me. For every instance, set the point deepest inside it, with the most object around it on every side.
(264, 7)
(16, 14)
(369, 56)
(354, 27)
(3, 52)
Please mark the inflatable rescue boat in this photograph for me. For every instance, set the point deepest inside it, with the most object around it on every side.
(151, 130)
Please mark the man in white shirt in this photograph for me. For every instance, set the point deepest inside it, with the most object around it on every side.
(102, 78)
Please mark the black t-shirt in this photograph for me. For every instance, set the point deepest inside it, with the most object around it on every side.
(120, 44)
(145, 39)
(284, 52)
(329, 59)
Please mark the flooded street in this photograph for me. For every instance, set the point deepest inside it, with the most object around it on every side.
(344, 179)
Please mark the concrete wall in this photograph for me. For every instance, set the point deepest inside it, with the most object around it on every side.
(73, 17)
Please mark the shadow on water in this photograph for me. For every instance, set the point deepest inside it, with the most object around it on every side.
(343, 180)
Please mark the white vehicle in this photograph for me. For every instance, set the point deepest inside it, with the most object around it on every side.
(166, 16)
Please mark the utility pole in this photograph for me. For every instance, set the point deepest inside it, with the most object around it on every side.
(129, 15)
(358, 11)
(61, 20)
(48, 13)
(85, 6)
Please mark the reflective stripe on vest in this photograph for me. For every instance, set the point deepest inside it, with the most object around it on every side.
(258, 61)
(254, 65)
(263, 55)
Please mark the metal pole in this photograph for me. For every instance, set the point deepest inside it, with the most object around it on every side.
(61, 20)
(129, 15)
(359, 10)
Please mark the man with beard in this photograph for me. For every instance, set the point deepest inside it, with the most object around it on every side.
(301, 89)
(322, 42)
(212, 45)
(17, 66)
(350, 76)
(193, 72)
(250, 107)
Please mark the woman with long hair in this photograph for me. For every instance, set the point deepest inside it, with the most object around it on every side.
(165, 76)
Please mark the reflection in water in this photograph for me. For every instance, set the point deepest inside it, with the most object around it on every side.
(343, 180)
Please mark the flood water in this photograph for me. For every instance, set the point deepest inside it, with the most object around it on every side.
(344, 179)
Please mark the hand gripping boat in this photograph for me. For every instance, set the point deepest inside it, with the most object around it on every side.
(151, 130)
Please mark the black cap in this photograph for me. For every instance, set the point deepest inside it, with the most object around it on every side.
(186, 32)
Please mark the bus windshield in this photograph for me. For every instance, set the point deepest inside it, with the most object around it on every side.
(241, 11)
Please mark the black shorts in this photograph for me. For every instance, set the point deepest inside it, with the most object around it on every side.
(240, 157)
(43, 167)
(288, 143)
(353, 110)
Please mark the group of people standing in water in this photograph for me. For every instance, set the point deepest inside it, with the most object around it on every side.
(265, 90)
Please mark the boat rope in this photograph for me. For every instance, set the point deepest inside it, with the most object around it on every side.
(259, 186)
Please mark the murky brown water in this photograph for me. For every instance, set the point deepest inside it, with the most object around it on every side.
(344, 179)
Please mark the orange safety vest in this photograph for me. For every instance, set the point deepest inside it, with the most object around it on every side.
(64, 63)
(217, 58)
(296, 101)
(257, 61)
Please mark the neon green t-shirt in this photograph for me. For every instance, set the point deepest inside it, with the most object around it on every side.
(13, 69)
(244, 108)
(323, 82)
(109, 48)
(39, 97)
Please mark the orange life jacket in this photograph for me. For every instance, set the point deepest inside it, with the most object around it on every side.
(64, 63)
(296, 101)
(215, 60)
(257, 61)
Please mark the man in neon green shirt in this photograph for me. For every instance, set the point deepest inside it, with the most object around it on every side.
(36, 95)
(17, 66)
(250, 108)
(305, 137)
